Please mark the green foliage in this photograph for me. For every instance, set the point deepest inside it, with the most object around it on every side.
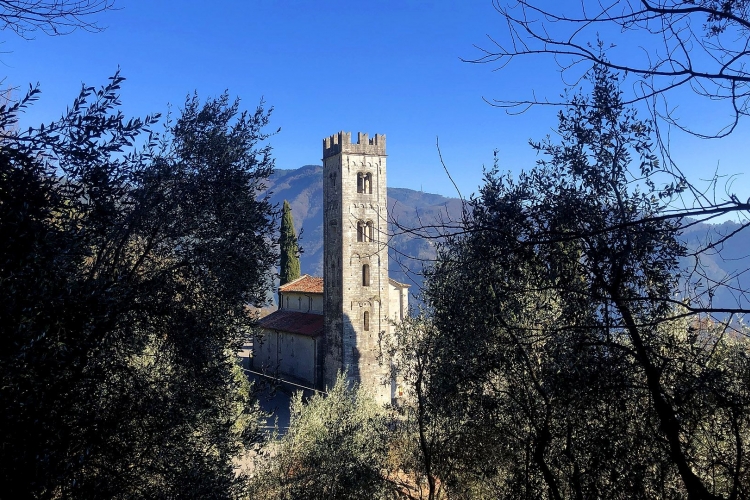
(290, 269)
(567, 368)
(336, 447)
(426, 438)
(125, 278)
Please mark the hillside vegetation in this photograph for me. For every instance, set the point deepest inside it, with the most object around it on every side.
(429, 214)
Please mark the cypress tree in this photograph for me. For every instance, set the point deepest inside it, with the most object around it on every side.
(288, 247)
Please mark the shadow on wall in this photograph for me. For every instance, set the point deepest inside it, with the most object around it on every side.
(351, 353)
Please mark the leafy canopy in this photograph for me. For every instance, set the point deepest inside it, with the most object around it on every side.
(126, 273)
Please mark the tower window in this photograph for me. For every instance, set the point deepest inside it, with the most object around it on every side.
(364, 183)
(366, 275)
(365, 231)
(366, 321)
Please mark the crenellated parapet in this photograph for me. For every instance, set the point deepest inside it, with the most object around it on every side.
(342, 143)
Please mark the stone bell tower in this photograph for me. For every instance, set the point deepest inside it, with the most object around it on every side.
(355, 261)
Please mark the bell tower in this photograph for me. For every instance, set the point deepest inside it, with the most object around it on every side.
(355, 264)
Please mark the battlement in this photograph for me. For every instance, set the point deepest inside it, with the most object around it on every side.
(342, 143)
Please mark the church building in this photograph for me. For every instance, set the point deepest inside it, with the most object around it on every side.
(336, 323)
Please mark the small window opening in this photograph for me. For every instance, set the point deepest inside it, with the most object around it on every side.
(366, 275)
(367, 321)
(367, 184)
(360, 182)
(369, 232)
(360, 231)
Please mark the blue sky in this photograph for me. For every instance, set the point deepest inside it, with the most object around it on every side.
(391, 67)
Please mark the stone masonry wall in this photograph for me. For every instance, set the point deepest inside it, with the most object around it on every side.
(351, 338)
(331, 347)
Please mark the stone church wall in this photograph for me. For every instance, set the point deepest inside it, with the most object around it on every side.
(355, 264)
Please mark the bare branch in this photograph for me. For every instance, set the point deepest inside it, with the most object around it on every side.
(51, 17)
(711, 60)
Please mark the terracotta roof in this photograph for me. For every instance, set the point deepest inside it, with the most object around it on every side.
(304, 284)
(294, 322)
(314, 284)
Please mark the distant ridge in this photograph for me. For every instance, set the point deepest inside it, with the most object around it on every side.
(303, 188)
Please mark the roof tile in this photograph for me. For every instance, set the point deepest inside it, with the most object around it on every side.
(304, 284)
(294, 322)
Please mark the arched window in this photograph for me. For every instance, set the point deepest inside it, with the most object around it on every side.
(360, 231)
(369, 231)
(366, 321)
(364, 183)
(366, 275)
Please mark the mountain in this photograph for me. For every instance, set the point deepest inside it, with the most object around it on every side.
(303, 189)
(408, 252)
(726, 262)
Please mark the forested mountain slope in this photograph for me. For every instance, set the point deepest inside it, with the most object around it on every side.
(727, 263)
(408, 252)
(303, 188)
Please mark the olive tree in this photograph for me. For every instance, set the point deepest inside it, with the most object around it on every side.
(336, 447)
(566, 351)
(126, 272)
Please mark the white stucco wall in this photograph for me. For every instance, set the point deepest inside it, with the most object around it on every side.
(398, 302)
(292, 355)
(297, 356)
(303, 302)
(265, 352)
(317, 303)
